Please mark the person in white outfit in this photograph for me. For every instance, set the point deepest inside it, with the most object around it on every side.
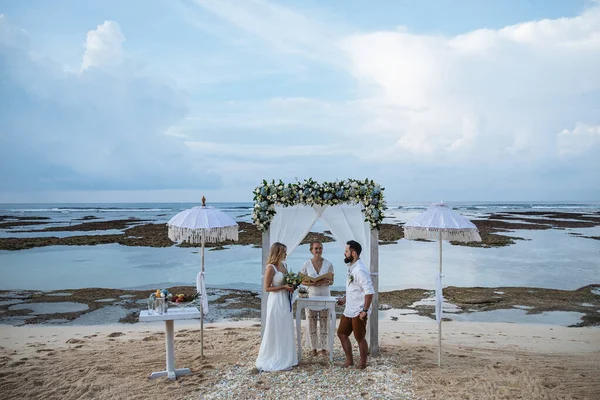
(314, 268)
(359, 295)
(277, 350)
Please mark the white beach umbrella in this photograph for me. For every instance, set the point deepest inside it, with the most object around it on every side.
(440, 222)
(202, 224)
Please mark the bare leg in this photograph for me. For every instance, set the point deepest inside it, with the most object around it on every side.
(363, 348)
(347, 346)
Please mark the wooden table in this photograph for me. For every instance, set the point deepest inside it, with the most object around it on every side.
(321, 303)
(170, 316)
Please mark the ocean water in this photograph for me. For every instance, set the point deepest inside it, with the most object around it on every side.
(549, 259)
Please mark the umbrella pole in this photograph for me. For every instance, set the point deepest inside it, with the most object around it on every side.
(441, 307)
(202, 304)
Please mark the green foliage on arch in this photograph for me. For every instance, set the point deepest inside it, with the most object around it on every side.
(309, 192)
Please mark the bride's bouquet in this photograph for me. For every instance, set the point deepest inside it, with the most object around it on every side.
(293, 279)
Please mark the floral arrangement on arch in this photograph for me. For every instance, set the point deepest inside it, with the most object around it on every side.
(309, 192)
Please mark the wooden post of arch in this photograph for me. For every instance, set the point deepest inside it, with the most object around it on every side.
(374, 269)
(266, 245)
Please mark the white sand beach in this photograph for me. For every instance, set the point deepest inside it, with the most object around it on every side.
(480, 361)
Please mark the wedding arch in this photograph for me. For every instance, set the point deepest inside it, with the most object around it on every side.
(352, 210)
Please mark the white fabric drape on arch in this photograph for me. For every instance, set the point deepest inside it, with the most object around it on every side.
(345, 221)
(291, 224)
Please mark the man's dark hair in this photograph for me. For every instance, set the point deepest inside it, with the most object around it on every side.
(354, 245)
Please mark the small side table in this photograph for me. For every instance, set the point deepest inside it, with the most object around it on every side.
(170, 316)
(319, 302)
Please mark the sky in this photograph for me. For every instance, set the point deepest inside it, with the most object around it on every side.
(168, 100)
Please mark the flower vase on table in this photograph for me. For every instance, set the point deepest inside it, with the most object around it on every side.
(161, 305)
(302, 292)
(158, 301)
(151, 307)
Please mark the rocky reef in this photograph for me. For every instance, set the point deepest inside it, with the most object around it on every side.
(495, 231)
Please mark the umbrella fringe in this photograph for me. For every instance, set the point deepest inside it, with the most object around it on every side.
(459, 235)
(211, 235)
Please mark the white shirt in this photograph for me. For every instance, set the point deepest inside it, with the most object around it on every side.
(358, 284)
(309, 269)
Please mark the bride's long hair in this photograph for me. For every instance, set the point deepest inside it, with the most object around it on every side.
(277, 254)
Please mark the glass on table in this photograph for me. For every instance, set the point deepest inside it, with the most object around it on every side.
(150, 306)
(160, 305)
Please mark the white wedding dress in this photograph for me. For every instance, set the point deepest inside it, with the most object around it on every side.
(277, 349)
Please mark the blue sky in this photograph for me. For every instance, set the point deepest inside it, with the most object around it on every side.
(171, 100)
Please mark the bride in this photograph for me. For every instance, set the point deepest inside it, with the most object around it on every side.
(277, 351)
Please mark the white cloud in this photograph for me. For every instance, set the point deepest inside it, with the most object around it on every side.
(480, 92)
(104, 47)
(280, 92)
(583, 139)
(482, 105)
(96, 129)
(479, 96)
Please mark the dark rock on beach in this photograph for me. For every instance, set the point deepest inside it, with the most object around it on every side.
(92, 226)
(552, 220)
(21, 218)
(241, 304)
(489, 229)
(12, 224)
(86, 218)
(494, 230)
(29, 243)
(150, 235)
(224, 303)
(390, 233)
(582, 300)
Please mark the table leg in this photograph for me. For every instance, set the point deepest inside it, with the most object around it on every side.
(170, 371)
(331, 331)
(170, 346)
(178, 372)
(298, 331)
